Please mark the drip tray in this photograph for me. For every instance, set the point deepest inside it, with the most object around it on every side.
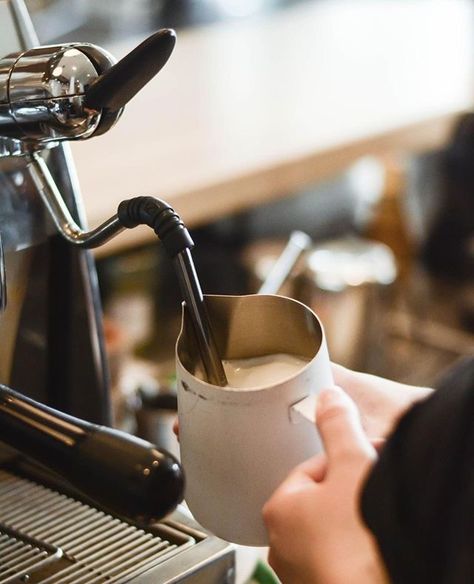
(22, 555)
(47, 537)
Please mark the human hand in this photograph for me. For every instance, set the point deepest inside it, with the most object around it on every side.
(381, 402)
(315, 531)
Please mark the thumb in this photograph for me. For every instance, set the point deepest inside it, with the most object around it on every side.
(339, 425)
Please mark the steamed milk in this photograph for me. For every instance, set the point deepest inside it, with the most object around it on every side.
(262, 371)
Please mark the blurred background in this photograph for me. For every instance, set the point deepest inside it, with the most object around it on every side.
(331, 138)
(389, 266)
(109, 21)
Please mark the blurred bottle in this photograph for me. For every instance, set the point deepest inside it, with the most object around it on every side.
(389, 220)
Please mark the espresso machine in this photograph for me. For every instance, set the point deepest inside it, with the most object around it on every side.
(79, 501)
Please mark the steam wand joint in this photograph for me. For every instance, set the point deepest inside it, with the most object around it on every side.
(161, 217)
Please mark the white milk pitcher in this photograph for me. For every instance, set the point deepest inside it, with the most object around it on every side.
(239, 443)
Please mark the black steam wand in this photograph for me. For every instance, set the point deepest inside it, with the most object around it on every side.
(177, 242)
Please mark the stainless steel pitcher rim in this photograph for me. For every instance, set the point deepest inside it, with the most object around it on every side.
(303, 337)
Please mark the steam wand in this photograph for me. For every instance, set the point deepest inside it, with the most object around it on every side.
(177, 242)
(172, 232)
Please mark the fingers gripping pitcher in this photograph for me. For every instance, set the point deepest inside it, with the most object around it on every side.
(239, 442)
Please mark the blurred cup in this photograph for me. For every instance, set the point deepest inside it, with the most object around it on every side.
(239, 443)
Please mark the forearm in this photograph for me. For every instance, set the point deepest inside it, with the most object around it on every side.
(381, 402)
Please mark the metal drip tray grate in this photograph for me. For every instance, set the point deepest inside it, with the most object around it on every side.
(66, 541)
(22, 555)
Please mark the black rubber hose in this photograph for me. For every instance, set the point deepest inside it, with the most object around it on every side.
(161, 217)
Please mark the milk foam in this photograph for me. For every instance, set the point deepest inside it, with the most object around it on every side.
(262, 371)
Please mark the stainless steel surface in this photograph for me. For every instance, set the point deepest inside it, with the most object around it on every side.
(23, 220)
(11, 147)
(40, 273)
(278, 326)
(97, 547)
(42, 102)
(68, 92)
(73, 91)
(59, 212)
(42, 93)
(23, 555)
(17, 268)
(6, 65)
(3, 279)
(202, 332)
(281, 270)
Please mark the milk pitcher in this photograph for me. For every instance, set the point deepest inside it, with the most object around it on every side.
(238, 444)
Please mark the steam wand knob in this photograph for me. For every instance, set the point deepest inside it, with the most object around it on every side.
(71, 91)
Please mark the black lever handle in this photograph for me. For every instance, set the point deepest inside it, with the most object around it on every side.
(116, 87)
(122, 473)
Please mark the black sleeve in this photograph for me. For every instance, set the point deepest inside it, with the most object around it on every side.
(419, 498)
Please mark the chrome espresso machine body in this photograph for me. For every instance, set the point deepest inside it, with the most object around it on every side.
(52, 339)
